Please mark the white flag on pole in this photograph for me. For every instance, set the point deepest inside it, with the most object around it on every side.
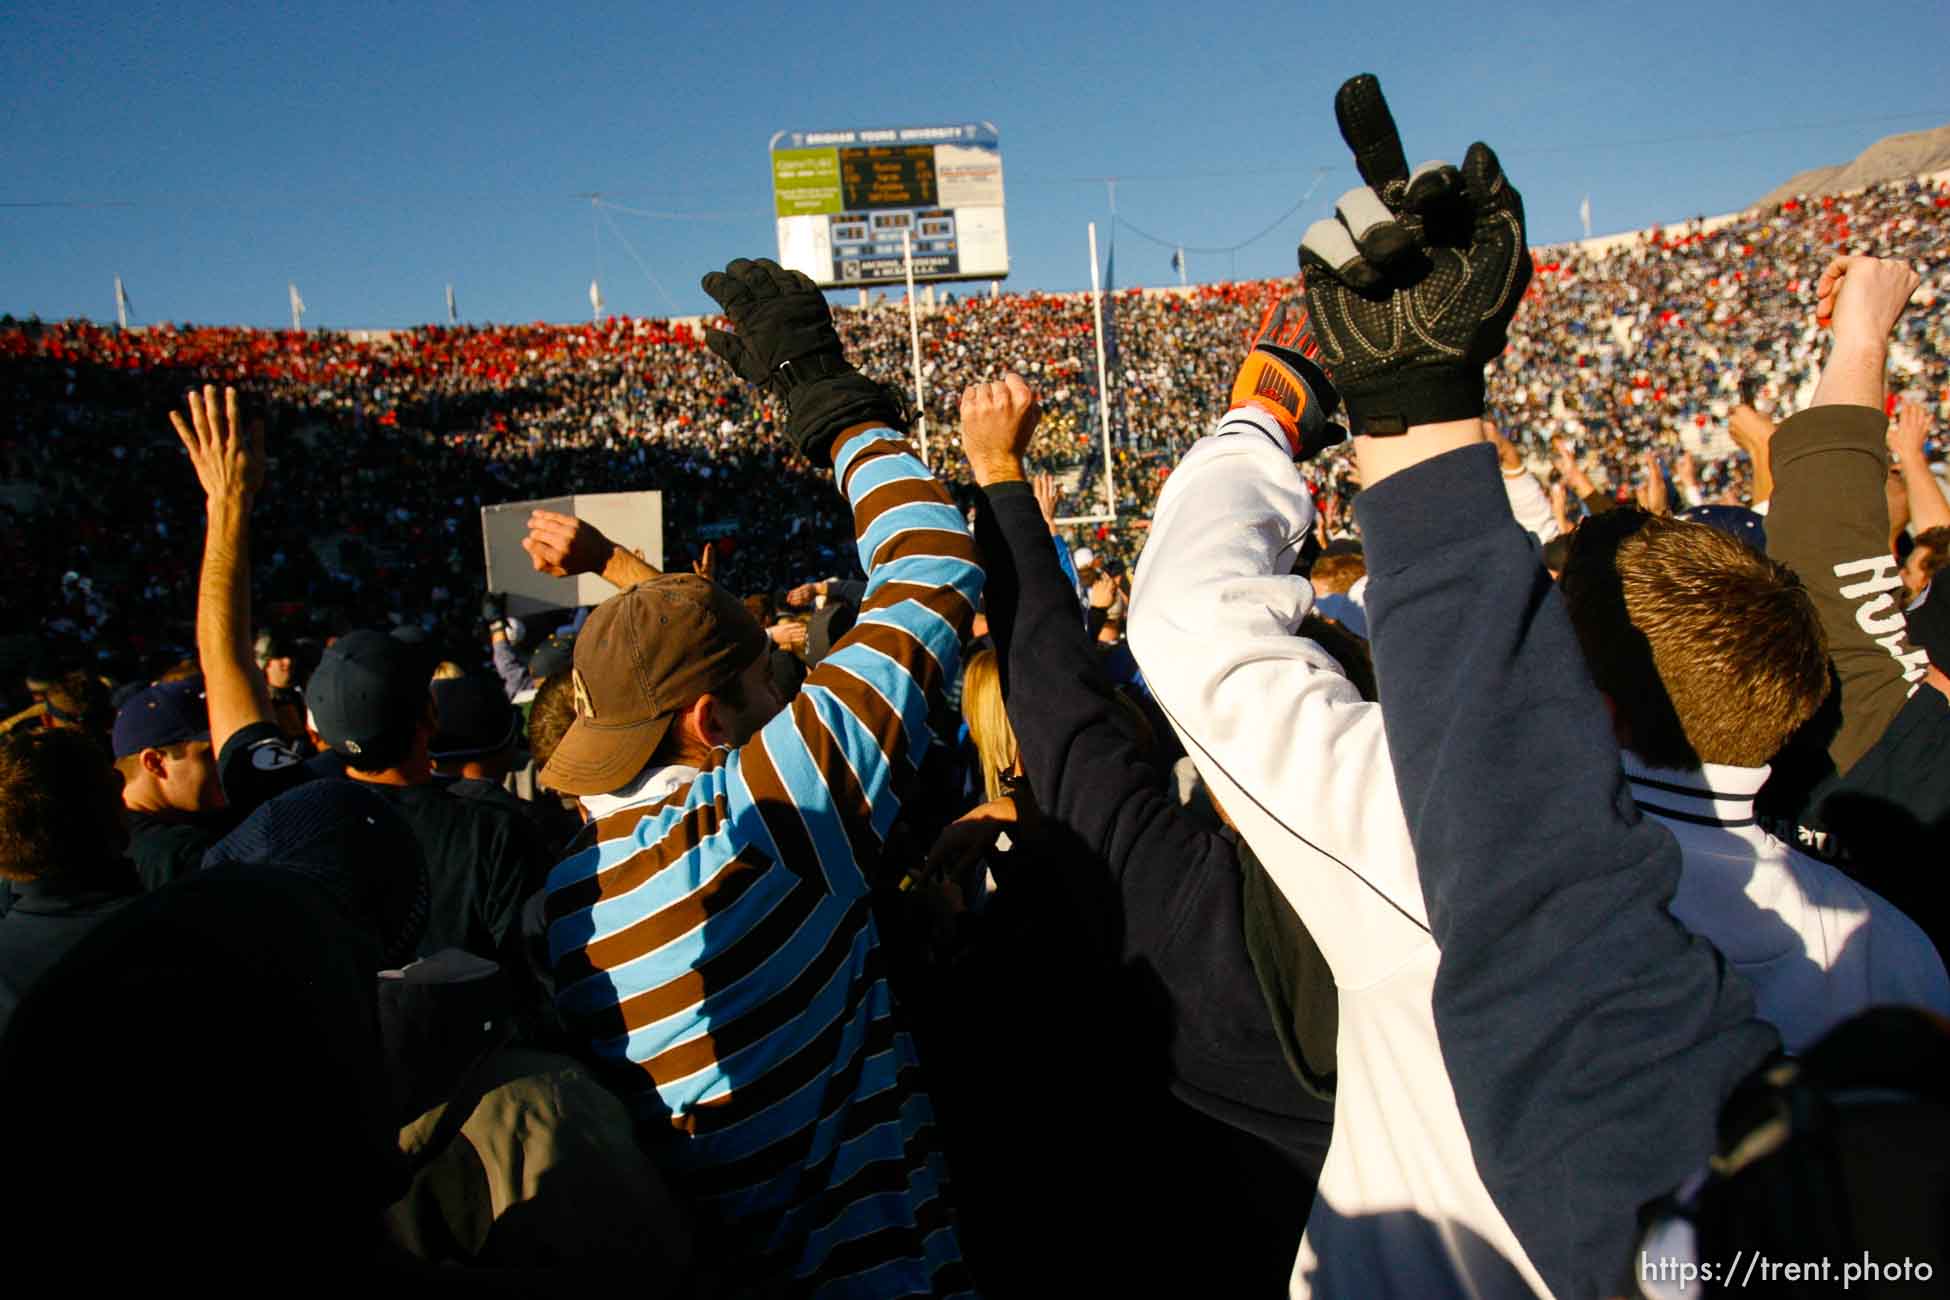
(596, 299)
(453, 317)
(297, 303)
(121, 304)
(1584, 215)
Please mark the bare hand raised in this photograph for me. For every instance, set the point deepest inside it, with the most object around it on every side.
(1507, 452)
(1751, 430)
(1909, 431)
(563, 545)
(1044, 486)
(229, 462)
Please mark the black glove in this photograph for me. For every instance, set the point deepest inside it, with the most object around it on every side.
(1412, 287)
(785, 339)
(494, 610)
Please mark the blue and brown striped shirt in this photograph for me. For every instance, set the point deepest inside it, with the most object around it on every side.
(716, 942)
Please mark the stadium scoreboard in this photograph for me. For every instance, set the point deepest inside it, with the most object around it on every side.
(845, 198)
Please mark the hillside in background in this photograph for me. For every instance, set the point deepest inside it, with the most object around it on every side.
(1891, 158)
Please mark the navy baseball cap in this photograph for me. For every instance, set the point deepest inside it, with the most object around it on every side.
(473, 717)
(368, 687)
(1734, 521)
(555, 655)
(160, 716)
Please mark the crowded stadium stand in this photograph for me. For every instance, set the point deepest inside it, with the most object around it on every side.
(1628, 344)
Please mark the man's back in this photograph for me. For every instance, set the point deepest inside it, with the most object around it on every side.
(41, 926)
(1816, 946)
(167, 847)
(483, 860)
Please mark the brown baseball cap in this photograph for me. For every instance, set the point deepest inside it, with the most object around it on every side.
(645, 655)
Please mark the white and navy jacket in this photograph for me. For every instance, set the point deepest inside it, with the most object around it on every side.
(1816, 946)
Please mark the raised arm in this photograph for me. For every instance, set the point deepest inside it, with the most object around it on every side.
(1564, 459)
(1753, 433)
(1168, 890)
(229, 463)
(1530, 504)
(1928, 507)
(1588, 1037)
(830, 771)
(1830, 519)
(1084, 765)
(1272, 722)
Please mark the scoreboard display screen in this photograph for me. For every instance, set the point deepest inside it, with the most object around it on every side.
(887, 178)
(845, 199)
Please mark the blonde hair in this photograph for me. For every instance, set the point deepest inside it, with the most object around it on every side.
(988, 721)
(447, 670)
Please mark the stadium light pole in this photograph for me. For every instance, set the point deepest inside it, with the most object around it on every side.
(914, 338)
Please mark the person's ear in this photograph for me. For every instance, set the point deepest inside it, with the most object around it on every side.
(705, 722)
(154, 762)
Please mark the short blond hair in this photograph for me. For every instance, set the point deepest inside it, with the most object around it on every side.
(1710, 651)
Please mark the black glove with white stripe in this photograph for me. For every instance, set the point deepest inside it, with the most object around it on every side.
(1412, 286)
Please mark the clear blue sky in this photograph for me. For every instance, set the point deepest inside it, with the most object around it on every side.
(375, 153)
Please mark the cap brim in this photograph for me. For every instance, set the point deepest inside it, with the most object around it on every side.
(443, 748)
(597, 759)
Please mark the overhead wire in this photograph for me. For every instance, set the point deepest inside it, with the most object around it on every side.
(630, 248)
(1320, 174)
(727, 215)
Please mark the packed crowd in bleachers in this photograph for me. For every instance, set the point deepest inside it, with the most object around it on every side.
(907, 894)
(1643, 348)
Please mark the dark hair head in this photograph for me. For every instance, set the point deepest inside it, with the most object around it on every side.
(59, 794)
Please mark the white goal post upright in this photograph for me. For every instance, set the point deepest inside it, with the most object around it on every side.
(914, 339)
(1109, 514)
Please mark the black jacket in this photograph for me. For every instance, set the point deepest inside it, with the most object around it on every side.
(43, 924)
(1173, 890)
